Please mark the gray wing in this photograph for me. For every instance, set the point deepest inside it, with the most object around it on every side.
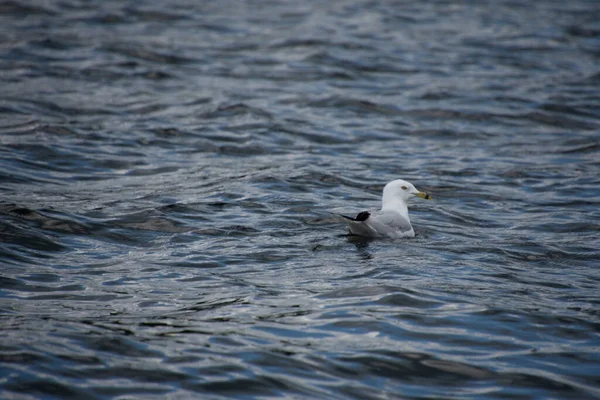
(388, 222)
(382, 224)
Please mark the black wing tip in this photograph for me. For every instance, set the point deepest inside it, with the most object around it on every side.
(363, 216)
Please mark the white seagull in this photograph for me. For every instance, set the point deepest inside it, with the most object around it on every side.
(392, 220)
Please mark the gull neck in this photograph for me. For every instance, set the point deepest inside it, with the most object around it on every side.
(395, 204)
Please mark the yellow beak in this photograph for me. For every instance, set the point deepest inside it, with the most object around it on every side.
(424, 195)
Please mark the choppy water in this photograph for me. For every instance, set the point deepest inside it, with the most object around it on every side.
(167, 171)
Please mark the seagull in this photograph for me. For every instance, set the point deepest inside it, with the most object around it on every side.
(392, 220)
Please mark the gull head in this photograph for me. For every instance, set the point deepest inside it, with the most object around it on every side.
(402, 190)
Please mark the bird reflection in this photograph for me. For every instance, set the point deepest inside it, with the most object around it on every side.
(362, 245)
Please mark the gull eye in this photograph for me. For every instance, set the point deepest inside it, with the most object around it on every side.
(404, 188)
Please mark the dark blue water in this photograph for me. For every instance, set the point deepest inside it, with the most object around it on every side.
(167, 172)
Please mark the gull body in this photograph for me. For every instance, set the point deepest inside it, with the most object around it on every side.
(392, 221)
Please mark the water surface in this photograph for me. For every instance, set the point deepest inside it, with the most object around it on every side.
(167, 172)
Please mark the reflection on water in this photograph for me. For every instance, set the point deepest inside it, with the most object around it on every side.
(168, 172)
(362, 245)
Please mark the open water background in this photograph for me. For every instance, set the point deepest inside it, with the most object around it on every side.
(167, 171)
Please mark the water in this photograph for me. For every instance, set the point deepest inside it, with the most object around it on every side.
(167, 171)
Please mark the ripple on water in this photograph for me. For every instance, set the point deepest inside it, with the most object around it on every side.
(168, 173)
